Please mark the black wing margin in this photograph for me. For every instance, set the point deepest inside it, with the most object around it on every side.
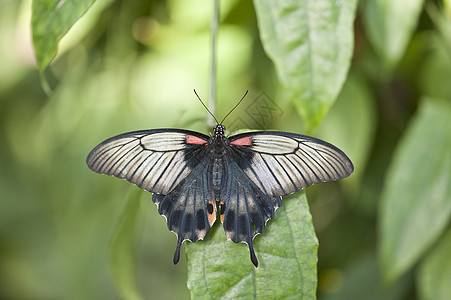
(281, 163)
(155, 160)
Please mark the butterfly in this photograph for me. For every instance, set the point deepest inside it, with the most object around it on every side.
(247, 174)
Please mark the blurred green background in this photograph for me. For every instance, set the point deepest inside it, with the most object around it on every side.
(129, 65)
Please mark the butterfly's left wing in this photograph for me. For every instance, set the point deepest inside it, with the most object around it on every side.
(281, 163)
(263, 166)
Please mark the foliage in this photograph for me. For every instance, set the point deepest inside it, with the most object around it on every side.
(287, 260)
(307, 41)
(372, 79)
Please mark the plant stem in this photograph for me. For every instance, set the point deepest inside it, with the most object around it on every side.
(214, 31)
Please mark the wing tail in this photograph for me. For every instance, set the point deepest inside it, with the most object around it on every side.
(176, 257)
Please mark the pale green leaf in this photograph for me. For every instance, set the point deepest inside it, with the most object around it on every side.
(351, 124)
(434, 274)
(390, 25)
(51, 19)
(415, 202)
(311, 44)
(287, 254)
(122, 248)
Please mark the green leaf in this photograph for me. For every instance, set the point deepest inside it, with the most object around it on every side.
(434, 274)
(361, 279)
(415, 205)
(436, 69)
(50, 21)
(442, 20)
(351, 126)
(122, 248)
(390, 25)
(287, 254)
(311, 44)
(351, 123)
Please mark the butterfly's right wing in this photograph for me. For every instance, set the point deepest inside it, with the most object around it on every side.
(170, 163)
(155, 160)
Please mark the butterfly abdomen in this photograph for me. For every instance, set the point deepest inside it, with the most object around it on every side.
(217, 172)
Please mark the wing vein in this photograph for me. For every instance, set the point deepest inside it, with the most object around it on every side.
(150, 170)
(165, 168)
(299, 171)
(272, 173)
(138, 154)
(284, 169)
(141, 164)
(308, 165)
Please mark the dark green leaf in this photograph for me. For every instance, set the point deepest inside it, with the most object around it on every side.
(434, 274)
(361, 280)
(310, 43)
(436, 67)
(287, 253)
(415, 205)
(442, 20)
(390, 25)
(51, 19)
(122, 248)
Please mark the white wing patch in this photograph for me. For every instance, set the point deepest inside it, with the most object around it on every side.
(273, 144)
(164, 141)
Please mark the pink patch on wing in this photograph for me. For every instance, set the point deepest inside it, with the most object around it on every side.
(245, 141)
(191, 139)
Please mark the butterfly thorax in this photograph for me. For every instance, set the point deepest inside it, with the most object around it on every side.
(218, 142)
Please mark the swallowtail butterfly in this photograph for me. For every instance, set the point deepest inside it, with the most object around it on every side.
(189, 173)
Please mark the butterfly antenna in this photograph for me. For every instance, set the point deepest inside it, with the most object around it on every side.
(234, 107)
(205, 106)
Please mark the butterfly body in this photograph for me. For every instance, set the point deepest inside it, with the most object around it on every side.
(190, 173)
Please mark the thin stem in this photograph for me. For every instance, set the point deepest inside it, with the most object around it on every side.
(214, 31)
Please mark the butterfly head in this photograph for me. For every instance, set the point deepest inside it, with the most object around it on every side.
(219, 130)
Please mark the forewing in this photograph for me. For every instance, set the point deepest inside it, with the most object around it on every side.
(189, 208)
(155, 160)
(244, 208)
(281, 163)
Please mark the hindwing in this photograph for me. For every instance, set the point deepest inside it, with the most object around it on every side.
(245, 209)
(190, 208)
